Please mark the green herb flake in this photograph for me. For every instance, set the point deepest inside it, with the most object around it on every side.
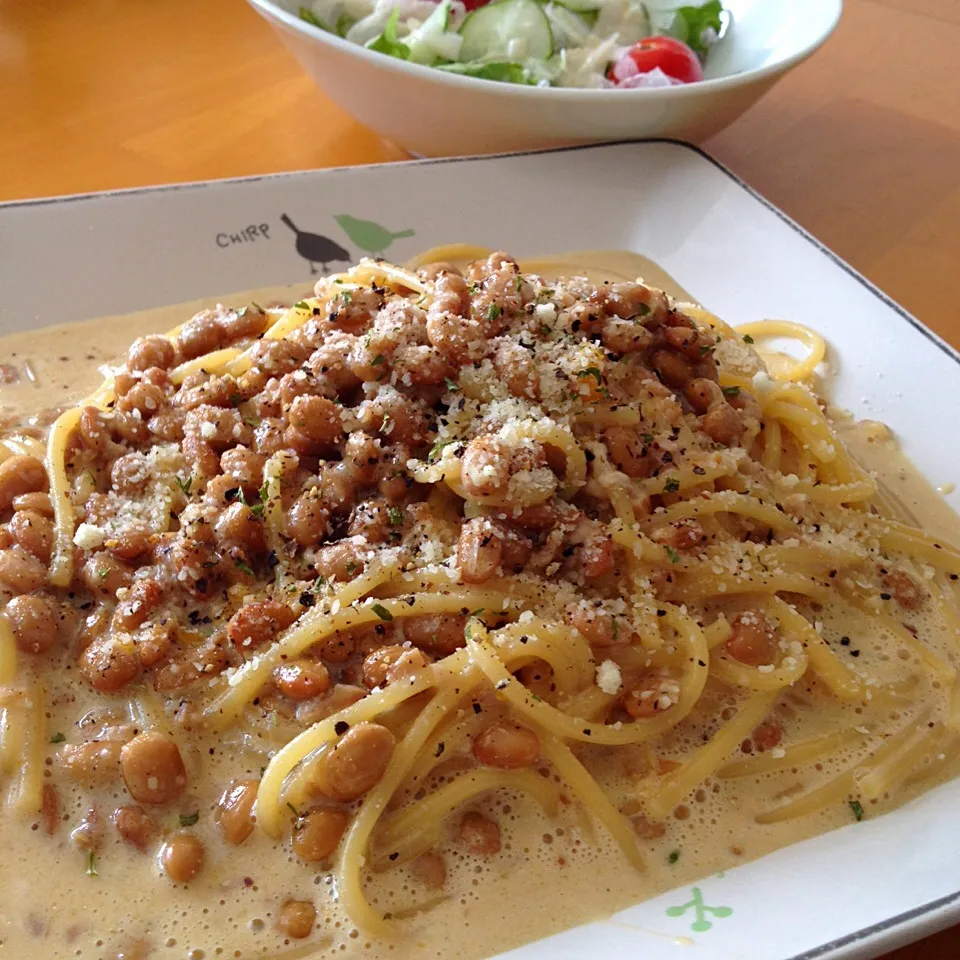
(255, 508)
(352, 568)
(92, 865)
(103, 573)
(747, 338)
(302, 305)
(265, 492)
(616, 629)
(592, 372)
(58, 738)
(452, 385)
(377, 360)
(184, 485)
(731, 391)
(673, 856)
(189, 819)
(672, 554)
(671, 486)
(857, 807)
(241, 497)
(395, 515)
(385, 427)
(244, 568)
(319, 584)
(437, 449)
(382, 612)
(646, 437)
(493, 312)
(705, 349)
(477, 612)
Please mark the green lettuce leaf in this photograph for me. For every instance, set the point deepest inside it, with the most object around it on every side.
(344, 23)
(387, 42)
(504, 72)
(310, 17)
(689, 24)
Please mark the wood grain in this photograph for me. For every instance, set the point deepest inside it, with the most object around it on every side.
(861, 145)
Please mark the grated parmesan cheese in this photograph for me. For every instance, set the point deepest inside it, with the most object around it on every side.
(762, 381)
(89, 537)
(546, 312)
(608, 677)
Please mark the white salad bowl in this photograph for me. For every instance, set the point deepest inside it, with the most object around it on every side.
(433, 113)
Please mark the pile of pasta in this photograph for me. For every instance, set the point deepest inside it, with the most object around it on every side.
(693, 532)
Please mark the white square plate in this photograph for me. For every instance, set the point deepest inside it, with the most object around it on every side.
(851, 894)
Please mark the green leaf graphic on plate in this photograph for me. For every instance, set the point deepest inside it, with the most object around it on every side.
(700, 910)
(369, 236)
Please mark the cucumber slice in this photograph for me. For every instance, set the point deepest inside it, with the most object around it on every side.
(509, 31)
(579, 6)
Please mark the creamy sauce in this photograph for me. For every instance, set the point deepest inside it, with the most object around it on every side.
(58, 365)
(551, 874)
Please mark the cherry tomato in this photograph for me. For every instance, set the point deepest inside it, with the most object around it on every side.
(672, 56)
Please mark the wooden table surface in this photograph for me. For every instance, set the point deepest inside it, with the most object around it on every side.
(861, 145)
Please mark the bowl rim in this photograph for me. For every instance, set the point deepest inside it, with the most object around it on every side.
(271, 10)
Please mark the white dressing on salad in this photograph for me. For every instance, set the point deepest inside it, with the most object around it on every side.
(626, 20)
(594, 44)
(583, 66)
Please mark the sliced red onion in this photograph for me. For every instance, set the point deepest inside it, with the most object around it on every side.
(632, 79)
(624, 68)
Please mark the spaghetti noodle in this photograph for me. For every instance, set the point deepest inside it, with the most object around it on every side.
(442, 534)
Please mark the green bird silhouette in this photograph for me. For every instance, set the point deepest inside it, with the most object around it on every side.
(369, 236)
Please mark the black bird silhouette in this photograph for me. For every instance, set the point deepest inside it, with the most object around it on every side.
(315, 248)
